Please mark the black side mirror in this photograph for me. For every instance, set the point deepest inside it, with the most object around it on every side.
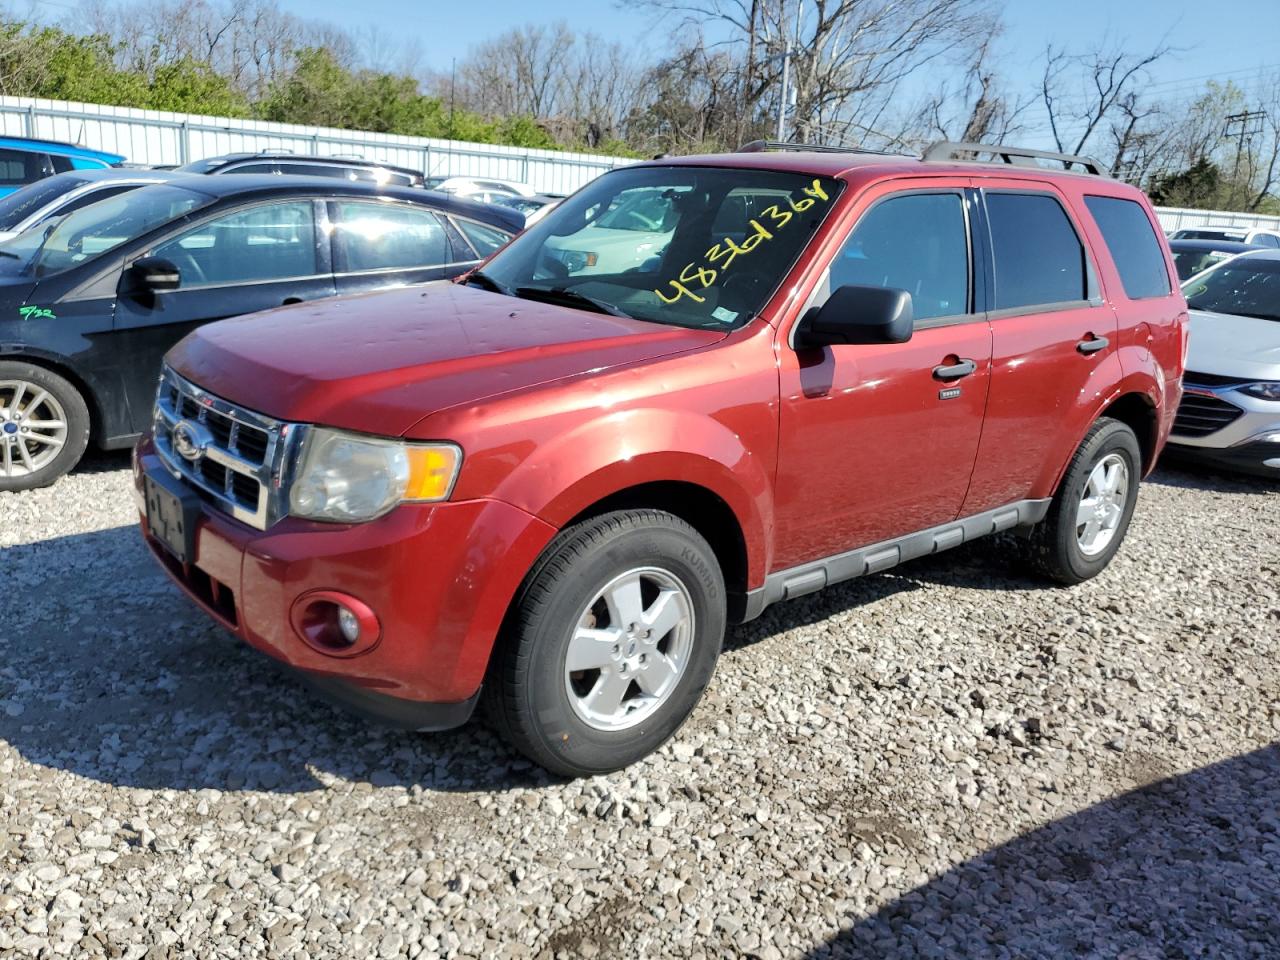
(153, 275)
(855, 314)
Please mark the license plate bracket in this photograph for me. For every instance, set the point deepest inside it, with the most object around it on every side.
(173, 512)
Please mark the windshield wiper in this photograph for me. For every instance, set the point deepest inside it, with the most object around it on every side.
(482, 279)
(569, 296)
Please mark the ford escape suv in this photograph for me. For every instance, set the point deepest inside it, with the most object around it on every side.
(557, 480)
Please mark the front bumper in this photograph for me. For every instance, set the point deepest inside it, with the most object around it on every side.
(439, 577)
(1260, 458)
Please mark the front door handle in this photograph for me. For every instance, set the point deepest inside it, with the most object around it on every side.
(290, 301)
(1092, 344)
(954, 371)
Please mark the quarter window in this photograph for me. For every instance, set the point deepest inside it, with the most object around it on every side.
(1133, 246)
(275, 241)
(485, 239)
(373, 236)
(913, 242)
(1038, 256)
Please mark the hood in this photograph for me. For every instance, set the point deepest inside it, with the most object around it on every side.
(380, 362)
(1232, 346)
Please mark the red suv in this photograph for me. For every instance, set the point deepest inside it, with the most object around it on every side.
(698, 387)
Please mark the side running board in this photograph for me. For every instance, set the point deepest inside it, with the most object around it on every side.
(813, 576)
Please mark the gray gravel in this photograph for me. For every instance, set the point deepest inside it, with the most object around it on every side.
(946, 761)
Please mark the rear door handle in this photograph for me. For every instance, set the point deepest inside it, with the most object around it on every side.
(1092, 344)
(290, 301)
(954, 371)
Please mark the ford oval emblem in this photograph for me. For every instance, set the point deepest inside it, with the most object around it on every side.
(190, 440)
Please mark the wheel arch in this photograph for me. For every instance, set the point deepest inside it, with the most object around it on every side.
(59, 365)
(1136, 411)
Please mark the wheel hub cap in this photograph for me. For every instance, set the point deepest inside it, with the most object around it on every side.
(629, 648)
(1102, 505)
(33, 428)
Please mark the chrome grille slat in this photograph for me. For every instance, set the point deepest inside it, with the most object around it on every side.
(241, 469)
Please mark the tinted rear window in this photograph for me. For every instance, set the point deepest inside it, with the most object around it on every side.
(1133, 246)
(1038, 257)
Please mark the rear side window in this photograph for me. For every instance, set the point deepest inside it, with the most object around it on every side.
(1133, 246)
(374, 236)
(914, 242)
(22, 166)
(1038, 256)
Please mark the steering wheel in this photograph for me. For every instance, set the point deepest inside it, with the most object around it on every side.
(188, 265)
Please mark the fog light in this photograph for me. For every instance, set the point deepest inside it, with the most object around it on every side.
(348, 625)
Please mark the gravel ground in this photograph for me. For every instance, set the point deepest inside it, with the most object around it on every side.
(947, 761)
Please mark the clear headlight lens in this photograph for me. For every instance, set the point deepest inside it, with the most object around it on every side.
(1267, 390)
(348, 477)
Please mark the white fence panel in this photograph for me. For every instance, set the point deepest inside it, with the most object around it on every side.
(1178, 218)
(157, 136)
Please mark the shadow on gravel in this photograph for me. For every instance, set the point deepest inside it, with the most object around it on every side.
(108, 672)
(1183, 867)
(1189, 475)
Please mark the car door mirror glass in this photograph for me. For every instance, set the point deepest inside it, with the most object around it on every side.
(154, 275)
(858, 314)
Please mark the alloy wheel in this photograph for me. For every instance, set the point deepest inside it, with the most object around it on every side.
(33, 428)
(1102, 504)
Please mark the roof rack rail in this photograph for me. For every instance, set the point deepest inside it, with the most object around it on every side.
(760, 146)
(1016, 156)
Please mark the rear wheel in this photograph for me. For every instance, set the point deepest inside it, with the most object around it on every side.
(44, 426)
(612, 640)
(1091, 512)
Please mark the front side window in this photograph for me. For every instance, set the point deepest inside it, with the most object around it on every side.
(1247, 286)
(675, 245)
(379, 236)
(1039, 259)
(272, 241)
(1133, 245)
(22, 166)
(100, 227)
(913, 242)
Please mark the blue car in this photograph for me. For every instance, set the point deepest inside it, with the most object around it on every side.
(23, 160)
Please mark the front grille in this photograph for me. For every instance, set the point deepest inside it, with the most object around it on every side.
(241, 453)
(1194, 378)
(1201, 414)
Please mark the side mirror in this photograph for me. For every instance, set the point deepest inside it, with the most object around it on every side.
(153, 275)
(855, 314)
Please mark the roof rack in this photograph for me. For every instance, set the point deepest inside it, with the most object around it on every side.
(760, 146)
(1015, 156)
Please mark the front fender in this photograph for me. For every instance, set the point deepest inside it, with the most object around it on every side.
(569, 472)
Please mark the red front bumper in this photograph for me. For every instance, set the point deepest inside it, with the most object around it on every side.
(439, 577)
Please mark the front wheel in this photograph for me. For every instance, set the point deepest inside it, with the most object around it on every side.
(611, 642)
(44, 426)
(1091, 512)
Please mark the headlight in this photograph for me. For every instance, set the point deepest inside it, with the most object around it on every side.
(578, 260)
(1267, 390)
(348, 477)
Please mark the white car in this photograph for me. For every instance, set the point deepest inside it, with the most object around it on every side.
(63, 193)
(1230, 410)
(486, 191)
(1259, 237)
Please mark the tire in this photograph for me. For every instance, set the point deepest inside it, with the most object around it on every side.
(568, 605)
(40, 393)
(1061, 548)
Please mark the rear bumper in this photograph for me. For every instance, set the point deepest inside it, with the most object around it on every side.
(439, 578)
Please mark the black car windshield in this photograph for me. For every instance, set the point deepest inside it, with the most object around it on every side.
(689, 246)
(102, 226)
(21, 204)
(1246, 286)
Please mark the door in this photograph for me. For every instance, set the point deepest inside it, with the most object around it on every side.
(877, 441)
(1051, 333)
(377, 245)
(249, 259)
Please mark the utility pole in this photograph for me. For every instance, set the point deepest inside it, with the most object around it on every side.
(1244, 127)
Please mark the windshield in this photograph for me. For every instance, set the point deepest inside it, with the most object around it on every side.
(1245, 286)
(1233, 235)
(690, 246)
(102, 226)
(21, 204)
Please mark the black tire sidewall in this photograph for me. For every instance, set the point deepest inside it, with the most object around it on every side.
(1113, 437)
(570, 745)
(77, 418)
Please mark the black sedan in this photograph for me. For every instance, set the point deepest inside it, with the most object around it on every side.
(90, 304)
(1192, 256)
